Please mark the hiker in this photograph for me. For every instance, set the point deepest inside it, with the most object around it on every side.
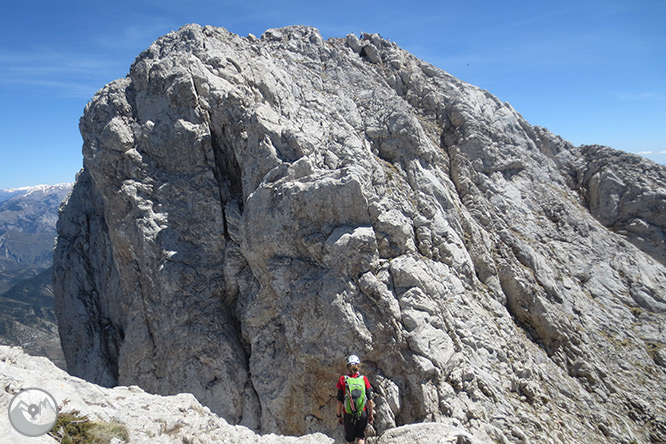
(355, 401)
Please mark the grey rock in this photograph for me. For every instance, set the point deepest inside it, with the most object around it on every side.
(251, 211)
(354, 43)
(176, 419)
(146, 418)
(427, 434)
(631, 203)
(372, 53)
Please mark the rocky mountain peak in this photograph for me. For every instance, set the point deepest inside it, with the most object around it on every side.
(253, 210)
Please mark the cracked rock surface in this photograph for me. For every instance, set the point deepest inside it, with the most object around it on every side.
(252, 210)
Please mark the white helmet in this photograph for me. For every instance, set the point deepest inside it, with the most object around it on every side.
(353, 359)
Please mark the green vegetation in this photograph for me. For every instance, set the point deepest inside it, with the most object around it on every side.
(73, 428)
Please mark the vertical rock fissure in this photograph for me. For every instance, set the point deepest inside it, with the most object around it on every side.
(226, 171)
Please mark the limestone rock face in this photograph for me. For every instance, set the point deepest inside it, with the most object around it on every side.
(253, 210)
(632, 203)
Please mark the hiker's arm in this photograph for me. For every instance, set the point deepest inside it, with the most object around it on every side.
(341, 398)
(370, 404)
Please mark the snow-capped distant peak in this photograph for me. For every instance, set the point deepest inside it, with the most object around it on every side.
(28, 189)
(8, 193)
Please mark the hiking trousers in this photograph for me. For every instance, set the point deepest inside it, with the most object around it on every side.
(355, 428)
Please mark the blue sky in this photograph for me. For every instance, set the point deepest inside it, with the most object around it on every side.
(590, 71)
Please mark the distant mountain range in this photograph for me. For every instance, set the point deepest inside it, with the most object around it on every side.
(8, 193)
(28, 219)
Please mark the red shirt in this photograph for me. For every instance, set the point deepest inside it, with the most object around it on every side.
(341, 382)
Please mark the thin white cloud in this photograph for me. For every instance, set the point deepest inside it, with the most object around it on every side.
(645, 153)
(134, 38)
(640, 96)
(66, 75)
(46, 61)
